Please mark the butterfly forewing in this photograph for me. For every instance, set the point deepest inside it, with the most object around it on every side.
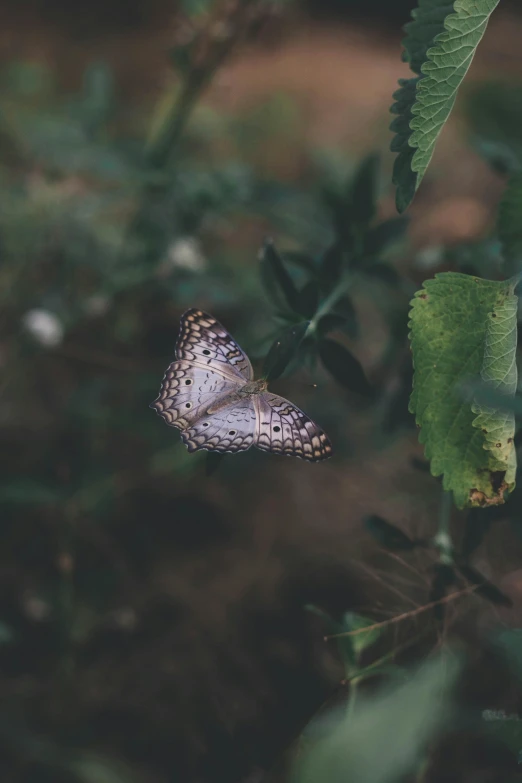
(188, 391)
(231, 429)
(204, 341)
(284, 429)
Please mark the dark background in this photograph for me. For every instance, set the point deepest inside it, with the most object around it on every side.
(152, 608)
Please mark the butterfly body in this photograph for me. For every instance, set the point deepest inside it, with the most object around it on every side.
(209, 394)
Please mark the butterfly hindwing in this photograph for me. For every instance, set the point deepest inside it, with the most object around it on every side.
(229, 429)
(188, 391)
(204, 341)
(283, 428)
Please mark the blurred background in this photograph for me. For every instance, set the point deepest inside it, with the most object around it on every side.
(153, 620)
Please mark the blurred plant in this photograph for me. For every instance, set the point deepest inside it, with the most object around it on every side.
(387, 736)
(322, 304)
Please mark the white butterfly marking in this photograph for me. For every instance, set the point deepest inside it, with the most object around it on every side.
(209, 393)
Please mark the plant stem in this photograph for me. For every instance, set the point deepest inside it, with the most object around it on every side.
(213, 46)
(340, 290)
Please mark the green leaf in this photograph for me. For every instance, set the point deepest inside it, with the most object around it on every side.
(509, 224)
(440, 44)
(369, 745)
(359, 641)
(277, 281)
(344, 367)
(464, 327)
(388, 535)
(283, 350)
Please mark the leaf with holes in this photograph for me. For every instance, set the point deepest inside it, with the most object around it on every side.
(463, 327)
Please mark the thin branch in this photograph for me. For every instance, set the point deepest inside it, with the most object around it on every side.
(412, 613)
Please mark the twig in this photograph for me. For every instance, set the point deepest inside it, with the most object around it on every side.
(412, 613)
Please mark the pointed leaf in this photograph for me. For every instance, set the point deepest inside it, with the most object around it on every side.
(278, 282)
(464, 327)
(360, 641)
(344, 367)
(283, 350)
(485, 589)
(388, 535)
(440, 44)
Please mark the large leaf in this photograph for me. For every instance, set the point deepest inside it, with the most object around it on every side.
(464, 327)
(388, 737)
(509, 225)
(440, 44)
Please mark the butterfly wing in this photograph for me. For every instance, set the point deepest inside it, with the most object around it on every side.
(188, 391)
(231, 428)
(281, 427)
(203, 341)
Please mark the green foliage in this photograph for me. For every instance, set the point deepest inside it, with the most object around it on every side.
(386, 737)
(355, 259)
(350, 645)
(440, 44)
(461, 328)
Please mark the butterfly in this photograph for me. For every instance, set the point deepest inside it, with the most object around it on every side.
(209, 393)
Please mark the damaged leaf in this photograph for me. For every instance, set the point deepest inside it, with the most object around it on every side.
(464, 328)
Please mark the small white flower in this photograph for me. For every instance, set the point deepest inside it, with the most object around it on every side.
(430, 257)
(44, 326)
(184, 253)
